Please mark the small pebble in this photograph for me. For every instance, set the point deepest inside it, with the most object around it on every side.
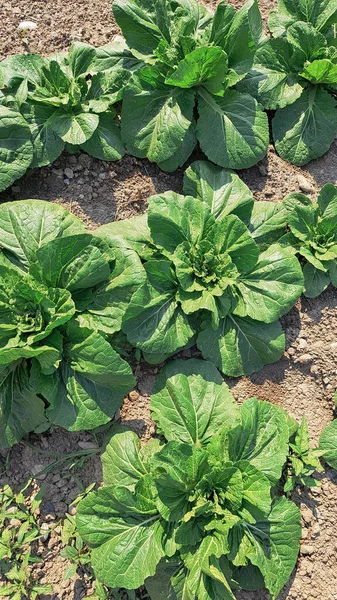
(35, 470)
(45, 531)
(306, 549)
(87, 445)
(62, 483)
(72, 510)
(69, 173)
(302, 343)
(27, 26)
(307, 515)
(134, 395)
(304, 358)
(50, 517)
(304, 184)
(15, 522)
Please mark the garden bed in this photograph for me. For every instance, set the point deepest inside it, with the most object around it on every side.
(303, 382)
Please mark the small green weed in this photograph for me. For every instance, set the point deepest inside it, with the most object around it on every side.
(19, 531)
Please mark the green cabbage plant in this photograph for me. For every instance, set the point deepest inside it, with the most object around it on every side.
(210, 279)
(313, 237)
(295, 73)
(197, 513)
(187, 62)
(64, 100)
(63, 293)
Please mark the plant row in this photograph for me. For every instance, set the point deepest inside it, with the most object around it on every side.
(210, 268)
(184, 76)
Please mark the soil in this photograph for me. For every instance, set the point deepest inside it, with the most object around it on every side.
(303, 382)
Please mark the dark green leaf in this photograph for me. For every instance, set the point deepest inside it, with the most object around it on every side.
(241, 346)
(233, 130)
(155, 119)
(306, 129)
(16, 150)
(190, 402)
(221, 189)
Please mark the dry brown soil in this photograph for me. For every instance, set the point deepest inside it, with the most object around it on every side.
(303, 382)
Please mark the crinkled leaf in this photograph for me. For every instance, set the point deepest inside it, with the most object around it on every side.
(80, 59)
(190, 402)
(233, 130)
(115, 55)
(306, 129)
(205, 66)
(272, 287)
(221, 189)
(127, 538)
(105, 143)
(155, 119)
(106, 88)
(328, 443)
(173, 219)
(241, 346)
(273, 80)
(262, 438)
(105, 308)
(77, 403)
(321, 71)
(267, 223)
(27, 225)
(91, 355)
(16, 150)
(75, 128)
(273, 544)
(240, 39)
(46, 143)
(139, 24)
(154, 320)
(74, 263)
(131, 233)
(121, 460)
(316, 12)
(327, 202)
(21, 410)
(22, 66)
(315, 281)
(186, 148)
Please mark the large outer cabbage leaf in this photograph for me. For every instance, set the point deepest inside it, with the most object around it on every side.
(16, 150)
